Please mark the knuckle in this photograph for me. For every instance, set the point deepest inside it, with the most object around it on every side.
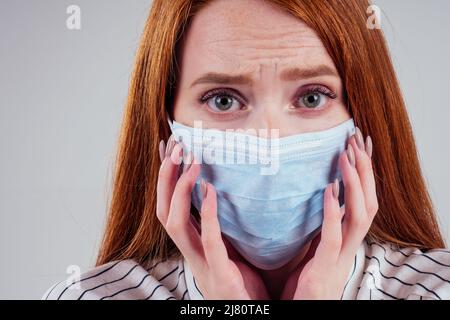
(208, 243)
(183, 184)
(234, 285)
(333, 244)
(342, 158)
(365, 165)
(174, 227)
(163, 173)
(358, 220)
(364, 160)
(372, 208)
(160, 215)
(333, 215)
(312, 285)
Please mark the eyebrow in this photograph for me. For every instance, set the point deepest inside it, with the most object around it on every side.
(291, 74)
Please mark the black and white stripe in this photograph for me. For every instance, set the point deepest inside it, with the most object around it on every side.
(380, 271)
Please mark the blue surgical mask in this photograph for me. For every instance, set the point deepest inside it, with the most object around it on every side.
(269, 208)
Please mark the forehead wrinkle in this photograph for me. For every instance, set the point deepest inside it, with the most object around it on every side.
(257, 49)
(254, 30)
(259, 38)
(271, 43)
(295, 34)
(249, 56)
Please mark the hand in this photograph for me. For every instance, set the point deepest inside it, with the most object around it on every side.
(216, 274)
(324, 274)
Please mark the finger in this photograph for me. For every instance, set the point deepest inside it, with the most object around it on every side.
(213, 245)
(365, 172)
(162, 150)
(342, 209)
(167, 178)
(355, 220)
(331, 235)
(179, 225)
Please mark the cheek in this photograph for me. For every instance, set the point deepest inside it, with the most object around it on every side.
(327, 118)
(187, 112)
(341, 110)
(337, 114)
(182, 109)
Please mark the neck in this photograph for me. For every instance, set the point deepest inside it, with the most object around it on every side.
(275, 280)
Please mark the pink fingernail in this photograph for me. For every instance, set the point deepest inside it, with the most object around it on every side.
(335, 188)
(169, 146)
(359, 139)
(204, 188)
(178, 154)
(351, 155)
(188, 162)
(369, 146)
(162, 149)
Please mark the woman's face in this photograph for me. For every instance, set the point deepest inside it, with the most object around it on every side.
(249, 65)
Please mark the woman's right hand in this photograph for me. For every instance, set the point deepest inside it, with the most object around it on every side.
(216, 274)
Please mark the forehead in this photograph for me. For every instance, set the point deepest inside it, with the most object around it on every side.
(233, 35)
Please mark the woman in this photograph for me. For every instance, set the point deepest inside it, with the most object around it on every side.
(309, 69)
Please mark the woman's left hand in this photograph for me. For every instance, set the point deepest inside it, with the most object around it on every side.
(325, 273)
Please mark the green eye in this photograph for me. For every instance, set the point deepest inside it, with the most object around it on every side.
(223, 103)
(314, 97)
(312, 100)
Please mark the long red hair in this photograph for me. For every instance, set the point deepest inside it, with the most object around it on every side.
(406, 215)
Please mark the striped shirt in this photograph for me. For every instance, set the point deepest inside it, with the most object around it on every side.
(379, 272)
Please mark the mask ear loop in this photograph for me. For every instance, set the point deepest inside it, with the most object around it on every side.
(169, 121)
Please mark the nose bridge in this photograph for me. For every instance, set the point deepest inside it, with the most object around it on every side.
(268, 116)
(268, 111)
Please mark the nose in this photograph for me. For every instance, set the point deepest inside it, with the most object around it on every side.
(265, 120)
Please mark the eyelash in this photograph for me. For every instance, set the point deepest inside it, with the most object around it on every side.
(315, 89)
(221, 92)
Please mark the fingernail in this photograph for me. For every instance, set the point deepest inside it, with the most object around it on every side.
(162, 149)
(188, 162)
(336, 189)
(177, 151)
(169, 147)
(351, 155)
(359, 139)
(203, 188)
(369, 146)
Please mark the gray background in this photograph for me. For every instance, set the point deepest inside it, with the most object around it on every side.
(62, 94)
